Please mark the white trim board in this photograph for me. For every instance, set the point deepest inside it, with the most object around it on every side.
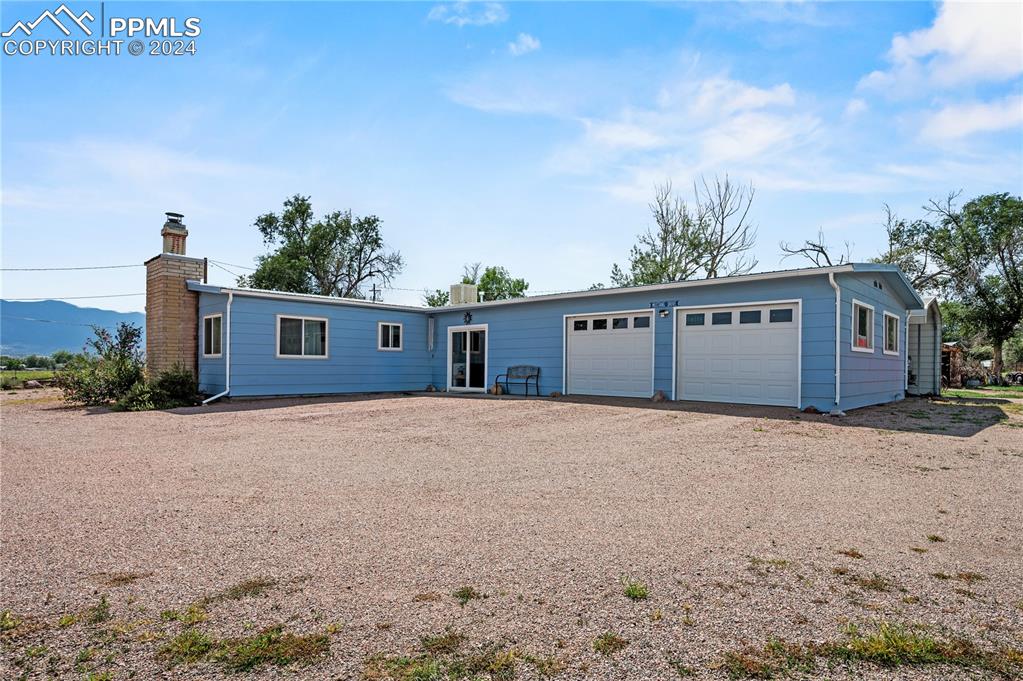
(277, 337)
(852, 326)
(486, 357)
(758, 303)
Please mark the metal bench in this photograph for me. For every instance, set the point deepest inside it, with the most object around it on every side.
(523, 373)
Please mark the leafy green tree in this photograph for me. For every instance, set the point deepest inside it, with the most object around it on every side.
(981, 247)
(957, 325)
(338, 254)
(109, 374)
(14, 363)
(62, 357)
(909, 247)
(494, 282)
(436, 298)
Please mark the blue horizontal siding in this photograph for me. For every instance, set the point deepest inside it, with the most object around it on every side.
(870, 378)
(533, 333)
(212, 371)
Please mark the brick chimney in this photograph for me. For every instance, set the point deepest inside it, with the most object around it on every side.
(172, 311)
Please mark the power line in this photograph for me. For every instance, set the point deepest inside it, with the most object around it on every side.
(241, 267)
(67, 269)
(218, 266)
(28, 300)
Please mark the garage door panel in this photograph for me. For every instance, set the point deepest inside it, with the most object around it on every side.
(744, 363)
(612, 362)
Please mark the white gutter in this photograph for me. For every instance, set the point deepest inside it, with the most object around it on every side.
(227, 355)
(837, 411)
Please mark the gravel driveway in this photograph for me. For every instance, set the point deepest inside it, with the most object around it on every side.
(352, 522)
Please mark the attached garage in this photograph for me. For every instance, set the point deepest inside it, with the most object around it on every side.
(746, 354)
(610, 354)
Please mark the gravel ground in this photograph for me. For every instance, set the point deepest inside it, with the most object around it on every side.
(368, 513)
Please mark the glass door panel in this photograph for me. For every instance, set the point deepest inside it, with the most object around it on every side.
(477, 359)
(458, 356)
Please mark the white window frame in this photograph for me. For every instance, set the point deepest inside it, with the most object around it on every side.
(401, 336)
(326, 337)
(213, 355)
(898, 334)
(852, 327)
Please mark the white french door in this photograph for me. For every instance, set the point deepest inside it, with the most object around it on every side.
(467, 358)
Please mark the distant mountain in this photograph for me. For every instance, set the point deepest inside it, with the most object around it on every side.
(44, 327)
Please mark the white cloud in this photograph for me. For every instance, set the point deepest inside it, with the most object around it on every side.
(854, 108)
(960, 120)
(469, 13)
(722, 96)
(524, 44)
(967, 43)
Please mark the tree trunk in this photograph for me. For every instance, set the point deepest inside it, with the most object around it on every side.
(996, 362)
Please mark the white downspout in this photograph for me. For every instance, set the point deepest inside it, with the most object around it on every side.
(837, 411)
(227, 354)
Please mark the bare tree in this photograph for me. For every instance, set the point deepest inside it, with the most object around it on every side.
(818, 252)
(729, 233)
(676, 251)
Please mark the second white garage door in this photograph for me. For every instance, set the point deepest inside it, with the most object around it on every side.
(610, 354)
(743, 355)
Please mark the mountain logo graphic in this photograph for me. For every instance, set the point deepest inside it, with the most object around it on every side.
(77, 20)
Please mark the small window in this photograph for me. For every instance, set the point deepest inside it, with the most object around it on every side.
(600, 325)
(301, 337)
(891, 334)
(863, 327)
(620, 323)
(389, 336)
(211, 335)
(719, 318)
(580, 325)
(781, 315)
(695, 319)
(749, 317)
(641, 322)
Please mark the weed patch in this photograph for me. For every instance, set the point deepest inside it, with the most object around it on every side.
(465, 594)
(122, 578)
(250, 587)
(187, 647)
(875, 582)
(935, 538)
(98, 613)
(851, 553)
(609, 643)
(443, 644)
(270, 646)
(634, 590)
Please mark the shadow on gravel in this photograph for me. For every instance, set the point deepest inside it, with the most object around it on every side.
(956, 417)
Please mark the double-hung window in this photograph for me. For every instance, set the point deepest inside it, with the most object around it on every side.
(862, 327)
(212, 342)
(301, 336)
(389, 336)
(891, 334)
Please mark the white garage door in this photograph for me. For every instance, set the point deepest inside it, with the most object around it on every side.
(743, 355)
(610, 354)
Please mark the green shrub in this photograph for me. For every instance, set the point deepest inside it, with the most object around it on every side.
(140, 397)
(108, 375)
(176, 387)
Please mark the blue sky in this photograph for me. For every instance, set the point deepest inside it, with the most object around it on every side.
(527, 135)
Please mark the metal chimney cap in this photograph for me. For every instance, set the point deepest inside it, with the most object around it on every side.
(174, 217)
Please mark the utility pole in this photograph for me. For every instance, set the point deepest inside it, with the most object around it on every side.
(375, 293)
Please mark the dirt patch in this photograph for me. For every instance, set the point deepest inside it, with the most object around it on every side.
(353, 529)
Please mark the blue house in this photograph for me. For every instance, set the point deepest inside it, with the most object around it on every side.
(833, 338)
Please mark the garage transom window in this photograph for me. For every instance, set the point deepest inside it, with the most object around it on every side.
(620, 323)
(781, 315)
(891, 334)
(719, 318)
(211, 335)
(863, 327)
(301, 337)
(749, 317)
(389, 336)
(600, 325)
(695, 319)
(580, 325)
(641, 322)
